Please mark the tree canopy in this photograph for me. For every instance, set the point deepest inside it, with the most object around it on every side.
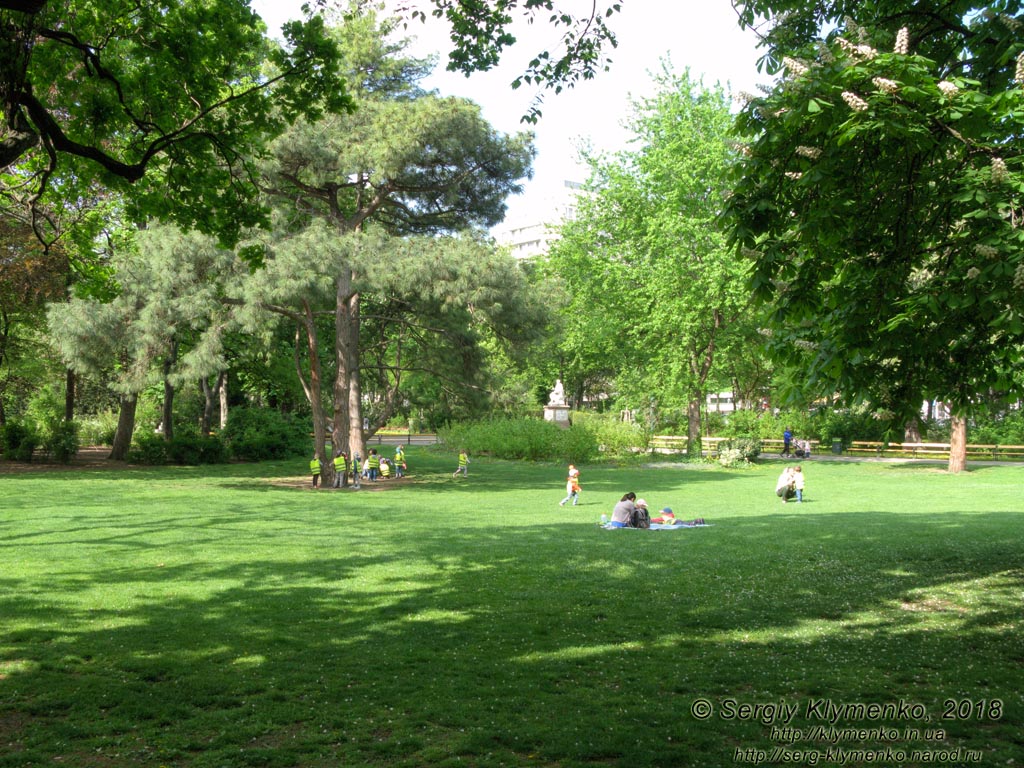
(880, 199)
(169, 100)
(654, 288)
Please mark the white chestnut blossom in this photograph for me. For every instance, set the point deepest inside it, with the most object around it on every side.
(857, 104)
(949, 89)
(999, 171)
(1019, 74)
(902, 42)
(885, 84)
(795, 67)
(813, 153)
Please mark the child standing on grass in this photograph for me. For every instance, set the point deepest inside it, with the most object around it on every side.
(572, 487)
(463, 464)
(798, 484)
(314, 468)
(399, 461)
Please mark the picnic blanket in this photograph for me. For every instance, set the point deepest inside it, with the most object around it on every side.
(658, 527)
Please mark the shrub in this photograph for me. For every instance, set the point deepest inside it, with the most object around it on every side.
(525, 438)
(194, 450)
(613, 437)
(151, 449)
(98, 429)
(61, 441)
(738, 451)
(19, 441)
(256, 434)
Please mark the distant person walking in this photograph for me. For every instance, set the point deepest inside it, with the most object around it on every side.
(787, 439)
(463, 464)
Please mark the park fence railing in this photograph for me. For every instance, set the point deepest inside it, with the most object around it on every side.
(908, 450)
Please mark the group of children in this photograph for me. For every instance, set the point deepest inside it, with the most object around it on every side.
(373, 467)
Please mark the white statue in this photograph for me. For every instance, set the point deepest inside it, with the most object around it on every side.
(557, 396)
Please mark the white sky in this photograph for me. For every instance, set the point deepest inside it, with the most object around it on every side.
(702, 35)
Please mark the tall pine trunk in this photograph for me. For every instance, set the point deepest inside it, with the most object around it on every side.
(223, 384)
(125, 427)
(957, 444)
(314, 390)
(346, 354)
(168, 409)
(69, 395)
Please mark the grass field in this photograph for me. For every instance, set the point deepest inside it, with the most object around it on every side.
(220, 617)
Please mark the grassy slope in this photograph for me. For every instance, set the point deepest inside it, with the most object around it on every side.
(204, 617)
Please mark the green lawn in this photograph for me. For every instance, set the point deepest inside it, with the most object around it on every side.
(210, 617)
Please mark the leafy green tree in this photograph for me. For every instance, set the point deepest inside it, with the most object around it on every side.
(881, 198)
(654, 288)
(480, 33)
(30, 276)
(168, 102)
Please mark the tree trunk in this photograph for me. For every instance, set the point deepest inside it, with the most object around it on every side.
(206, 420)
(693, 441)
(125, 427)
(69, 396)
(168, 410)
(912, 431)
(348, 405)
(957, 444)
(314, 392)
(222, 385)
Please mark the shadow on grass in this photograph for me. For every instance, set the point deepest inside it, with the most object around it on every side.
(557, 643)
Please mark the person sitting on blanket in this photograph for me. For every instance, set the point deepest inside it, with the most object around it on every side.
(623, 511)
(667, 517)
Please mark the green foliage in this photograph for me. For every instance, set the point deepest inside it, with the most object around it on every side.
(151, 450)
(824, 424)
(97, 428)
(187, 450)
(482, 31)
(612, 436)
(194, 449)
(19, 440)
(1004, 430)
(879, 199)
(738, 451)
(61, 441)
(45, 413)
(653, 290)
(524, 438)
(167, 102)
(256, 434)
